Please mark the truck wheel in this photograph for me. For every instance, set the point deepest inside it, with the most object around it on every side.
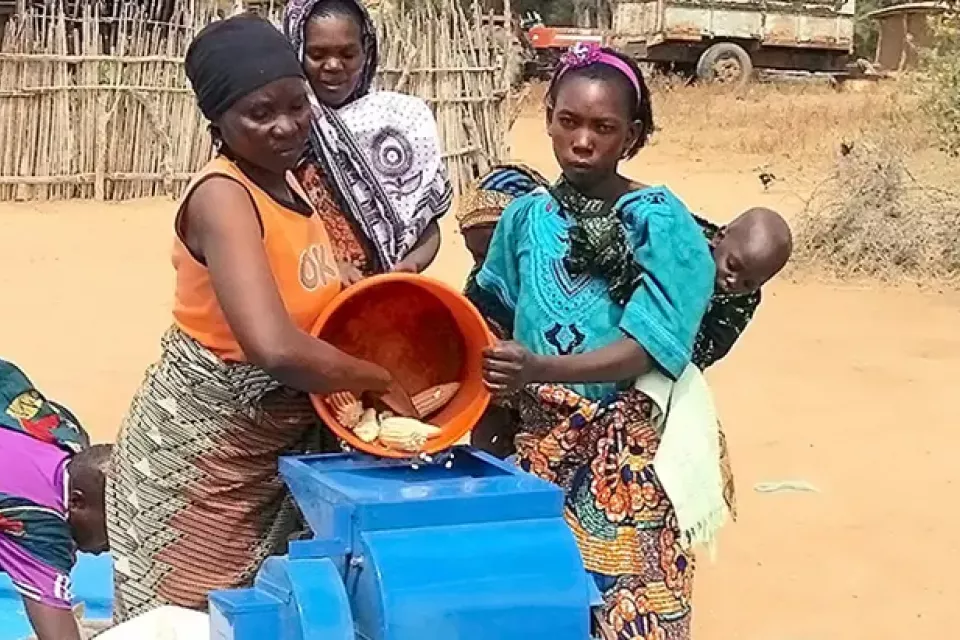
(725, 63)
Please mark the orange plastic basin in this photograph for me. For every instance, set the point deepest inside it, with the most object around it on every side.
(421, 331)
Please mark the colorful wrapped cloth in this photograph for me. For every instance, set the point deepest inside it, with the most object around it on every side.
(26, 410)
(608, 456)
(196, 502)
(602, 455)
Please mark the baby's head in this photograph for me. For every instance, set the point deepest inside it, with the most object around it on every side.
(751, 250)
(598, 113)
(87, 472)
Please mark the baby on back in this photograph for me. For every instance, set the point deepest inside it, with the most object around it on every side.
(750, 250)
(748, 253)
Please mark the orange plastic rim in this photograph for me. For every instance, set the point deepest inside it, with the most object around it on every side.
(422, 331)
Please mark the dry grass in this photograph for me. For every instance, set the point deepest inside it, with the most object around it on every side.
(887, 208)
(872, 218)
(781, 121)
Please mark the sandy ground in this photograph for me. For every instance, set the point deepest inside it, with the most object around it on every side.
(845, 388)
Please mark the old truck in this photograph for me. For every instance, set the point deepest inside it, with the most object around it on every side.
(726, 40)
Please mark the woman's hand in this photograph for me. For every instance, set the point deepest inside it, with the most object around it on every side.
(423, 252)
(399, 401)
(405, 266)
(349, 274)
(508, 367)
(375, 379)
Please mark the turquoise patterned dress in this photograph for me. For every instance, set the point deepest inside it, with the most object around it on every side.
(525, 287)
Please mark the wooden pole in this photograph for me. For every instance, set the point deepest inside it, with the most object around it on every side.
(97, 104)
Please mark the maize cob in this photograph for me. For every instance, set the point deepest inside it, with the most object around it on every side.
(369, 427)
(406, 434)
(346, 408)
(435, 398)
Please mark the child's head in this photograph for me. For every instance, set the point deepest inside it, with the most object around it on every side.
(477, 238)
(478, 213)
(482, 205)
(751, 250)
(88, 473)
(598, 113)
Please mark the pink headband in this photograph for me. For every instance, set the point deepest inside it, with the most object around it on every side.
(584, 54)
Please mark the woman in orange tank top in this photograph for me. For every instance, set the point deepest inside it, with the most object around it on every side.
(196, 503)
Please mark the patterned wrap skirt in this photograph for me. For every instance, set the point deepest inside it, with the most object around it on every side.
(602, 455)
(196, 502)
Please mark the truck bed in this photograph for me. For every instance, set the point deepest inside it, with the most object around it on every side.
(814, 24)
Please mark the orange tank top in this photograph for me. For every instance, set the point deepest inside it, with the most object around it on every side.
(300, 256)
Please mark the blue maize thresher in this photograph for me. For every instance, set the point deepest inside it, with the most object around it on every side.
(473, 550)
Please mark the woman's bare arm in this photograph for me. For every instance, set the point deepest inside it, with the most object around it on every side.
(625, 359)
(50, 623)
(220, 224)
(509, 366)
(423, 253)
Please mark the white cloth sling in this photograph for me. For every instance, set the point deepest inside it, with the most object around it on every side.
(688, 459)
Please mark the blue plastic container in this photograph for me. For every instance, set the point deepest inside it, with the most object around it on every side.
(92, 580)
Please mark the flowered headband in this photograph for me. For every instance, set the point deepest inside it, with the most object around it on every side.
(584, 54)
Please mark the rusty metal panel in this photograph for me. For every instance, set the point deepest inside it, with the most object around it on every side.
(804, 23)
(681, 23)
(634, 18)
(831, 32)
(740, 24)
(686, 22)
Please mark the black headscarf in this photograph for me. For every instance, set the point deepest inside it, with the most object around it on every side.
(232, 58)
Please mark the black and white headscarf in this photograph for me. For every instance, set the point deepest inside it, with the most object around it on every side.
(380, 151)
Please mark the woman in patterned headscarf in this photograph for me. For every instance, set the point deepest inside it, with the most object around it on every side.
(373, 170)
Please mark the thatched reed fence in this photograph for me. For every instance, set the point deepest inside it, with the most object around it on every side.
(98, 106)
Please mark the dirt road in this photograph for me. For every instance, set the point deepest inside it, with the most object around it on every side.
(843, 388)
